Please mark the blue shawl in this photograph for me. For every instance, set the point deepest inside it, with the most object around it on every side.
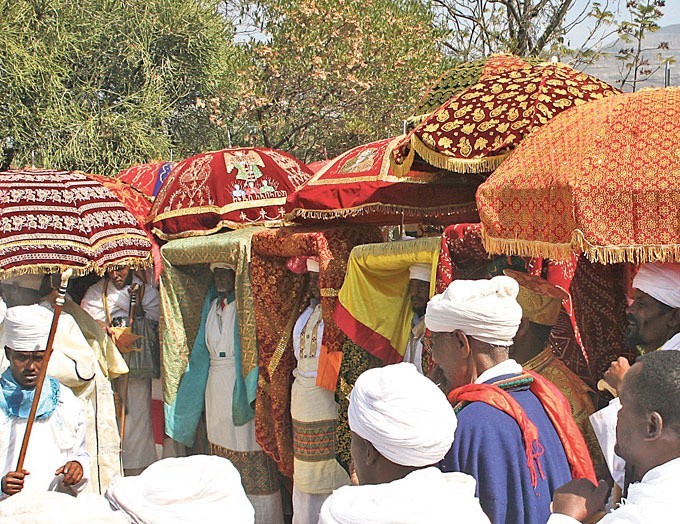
(15, 400)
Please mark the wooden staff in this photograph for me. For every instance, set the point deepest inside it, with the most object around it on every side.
(126, 356)
(59, 303)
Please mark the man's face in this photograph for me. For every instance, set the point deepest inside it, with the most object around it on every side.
(647, 321)
(451, 357)
(314, 290)
(25, 366)
(120, 277)
(420, 294)
(363, 470)
(224, 279)
(632, 422)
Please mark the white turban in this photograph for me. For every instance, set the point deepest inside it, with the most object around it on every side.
(200, 488)
(420, 272)
(27, 328)
(424, 496)
(660, 281)
(220, 265)
(312, 265)
(486, 310)
(26, 281)
(403, 414)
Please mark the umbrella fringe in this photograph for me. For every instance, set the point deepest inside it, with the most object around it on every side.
(331, 214)
(457, 165)
(91, 267)
(636, 254)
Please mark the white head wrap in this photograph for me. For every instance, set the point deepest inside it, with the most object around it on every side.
(312, 265)
(420, 272)
(403, 414)
(27, 328)
(26, 281)
(421, 497)
(220, 265)
(660, 281)
(200, 488)
(486, 310)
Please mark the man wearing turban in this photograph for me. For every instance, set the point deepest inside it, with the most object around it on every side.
(419, 291)
(56, 459)
(653, 324)
(402, 426)
(516, 435)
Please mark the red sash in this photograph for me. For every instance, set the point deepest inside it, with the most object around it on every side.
(559, 412)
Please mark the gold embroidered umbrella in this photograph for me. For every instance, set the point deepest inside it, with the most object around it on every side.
(603, 179)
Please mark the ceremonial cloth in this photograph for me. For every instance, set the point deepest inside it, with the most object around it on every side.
(377, 283)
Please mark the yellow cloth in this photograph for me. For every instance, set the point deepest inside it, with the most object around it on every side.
(579, 395)
(377, 282)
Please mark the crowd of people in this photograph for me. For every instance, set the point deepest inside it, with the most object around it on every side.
(480, 423)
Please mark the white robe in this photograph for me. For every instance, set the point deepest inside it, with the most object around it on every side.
(652, 500)
(139, 449)
(54, 441)
(219, 338)
(424, 496)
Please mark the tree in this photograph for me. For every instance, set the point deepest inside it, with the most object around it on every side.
(100, 84)
(327, 75)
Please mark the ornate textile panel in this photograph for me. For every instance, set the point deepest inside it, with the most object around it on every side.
(314, 441)
(259, 475)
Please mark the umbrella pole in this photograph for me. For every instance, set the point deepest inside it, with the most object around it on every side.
(126, 377)
(59, 303)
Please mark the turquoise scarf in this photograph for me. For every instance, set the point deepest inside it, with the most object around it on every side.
(15, 400)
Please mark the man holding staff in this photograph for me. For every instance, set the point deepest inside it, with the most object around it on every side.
(56, 459)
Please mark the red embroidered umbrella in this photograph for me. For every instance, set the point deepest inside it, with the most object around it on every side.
(602, 179)
(359, 186)
(475, 130)
(147, 178)
(231, 188)
(54, 220)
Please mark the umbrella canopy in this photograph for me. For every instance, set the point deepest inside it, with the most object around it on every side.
(231, 188)
(475, 130)
(146, 178)
(54, 220)
(603, 179)
(463, 76)
(359, 186)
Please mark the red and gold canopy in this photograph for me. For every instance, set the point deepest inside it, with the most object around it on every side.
(475, 130)
(146, 178)
(54, 220)
(603, 179)
(359, 186)
(231, 188)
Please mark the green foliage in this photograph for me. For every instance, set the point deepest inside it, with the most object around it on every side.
(331, 74)
(101, 84)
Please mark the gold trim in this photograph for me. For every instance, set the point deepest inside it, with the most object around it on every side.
(329, 292)
(79, 271)
(234, 206)
(220, 226)
(285, 337)
(636, 253)
(364, 209)
(457, 165)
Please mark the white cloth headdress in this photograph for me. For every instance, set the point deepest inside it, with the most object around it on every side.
(660, 281)
(220, 265)
(403, 414)
(27, 328)
(486, 310)
(420, 272)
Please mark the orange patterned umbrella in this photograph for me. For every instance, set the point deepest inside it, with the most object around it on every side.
(603, 179)
(475, 130)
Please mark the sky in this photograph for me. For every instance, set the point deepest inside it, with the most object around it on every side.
(579, 33)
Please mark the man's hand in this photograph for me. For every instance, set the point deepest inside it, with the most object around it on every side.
(72, 471)
(617, 369)
(580, 499)
(13, 482)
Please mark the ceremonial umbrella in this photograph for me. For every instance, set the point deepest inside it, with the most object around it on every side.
(603, 179)
(475, 130)
(359, 186)
(231, 188)
(55, 220)
(147, 178)
(462, 76)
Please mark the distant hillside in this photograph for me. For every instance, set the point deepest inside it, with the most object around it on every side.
(608, 68)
